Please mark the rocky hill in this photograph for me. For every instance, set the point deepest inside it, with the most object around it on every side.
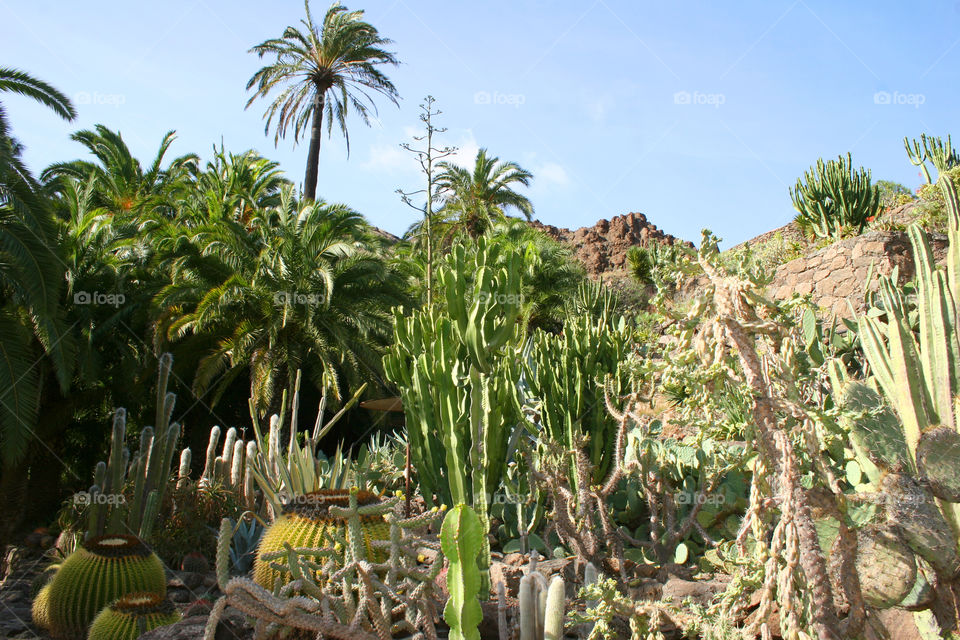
(602, 248)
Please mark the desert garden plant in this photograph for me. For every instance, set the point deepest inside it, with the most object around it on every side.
(832, 196)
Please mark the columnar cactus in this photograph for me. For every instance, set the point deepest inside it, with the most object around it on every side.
(100, 571)
(461, 540)
(832, 195)
(457, 372)
(148, 469)
(541, 605)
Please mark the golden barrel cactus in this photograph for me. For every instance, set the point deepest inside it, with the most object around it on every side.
(99, 572)
(133, 615)
(306, 522)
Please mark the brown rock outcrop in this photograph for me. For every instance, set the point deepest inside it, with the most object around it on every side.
(602, 248)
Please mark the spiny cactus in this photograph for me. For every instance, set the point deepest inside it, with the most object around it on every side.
(40, 609)
(338, 591)
(148, 469)
(941, 154)
(308, 522)
(832, 195)
(457, 371)
(97, 573)
(541, 605)
(131, 616)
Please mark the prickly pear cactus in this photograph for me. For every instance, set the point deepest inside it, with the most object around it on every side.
(461, 541)
(306, 522)
(938, 459)
(133, 615)
(886, 567)
(100, 571)
(912, 510)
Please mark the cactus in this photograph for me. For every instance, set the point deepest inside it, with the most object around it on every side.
(100, 571)
(131, 616)
(337, 592)
(40, 609)
(541, 605)
(307, 522)
(941, 154)
(885, 566)
(461, 540)
(148, 469)
(457, 374)
(566, 373)
(831, 196)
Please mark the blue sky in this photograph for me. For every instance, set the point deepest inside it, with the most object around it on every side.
(698, 114)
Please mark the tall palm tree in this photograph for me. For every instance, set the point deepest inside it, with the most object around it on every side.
(474, 200)
(321, 72)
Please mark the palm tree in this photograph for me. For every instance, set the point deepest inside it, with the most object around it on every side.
(294, 288)
(30, 278)
(233, 186)
(473, 201)
(323, 71)
(122, 186)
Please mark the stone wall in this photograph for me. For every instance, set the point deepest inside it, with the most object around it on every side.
(837, 273)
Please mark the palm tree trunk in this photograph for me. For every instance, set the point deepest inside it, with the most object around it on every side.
(313, 155)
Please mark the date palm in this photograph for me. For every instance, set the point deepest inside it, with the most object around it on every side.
(31, 277)
(294, 288)
(321, 72)
(475, 200)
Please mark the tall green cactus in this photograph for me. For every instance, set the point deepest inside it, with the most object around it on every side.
(148, 469)
(940, 153)
(567, 373)
(831, 196)
(920, 374)
(461, 541)
(456, 368)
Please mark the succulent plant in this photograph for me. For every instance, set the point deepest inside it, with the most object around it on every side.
(133, 615)
(541, 605)
(40, 609)
(306, 522)
(461, 540)
(100, 571)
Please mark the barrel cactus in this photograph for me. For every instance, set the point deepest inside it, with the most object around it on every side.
(306, 522)
(99, 572)
(40, 610)
(133, 615)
